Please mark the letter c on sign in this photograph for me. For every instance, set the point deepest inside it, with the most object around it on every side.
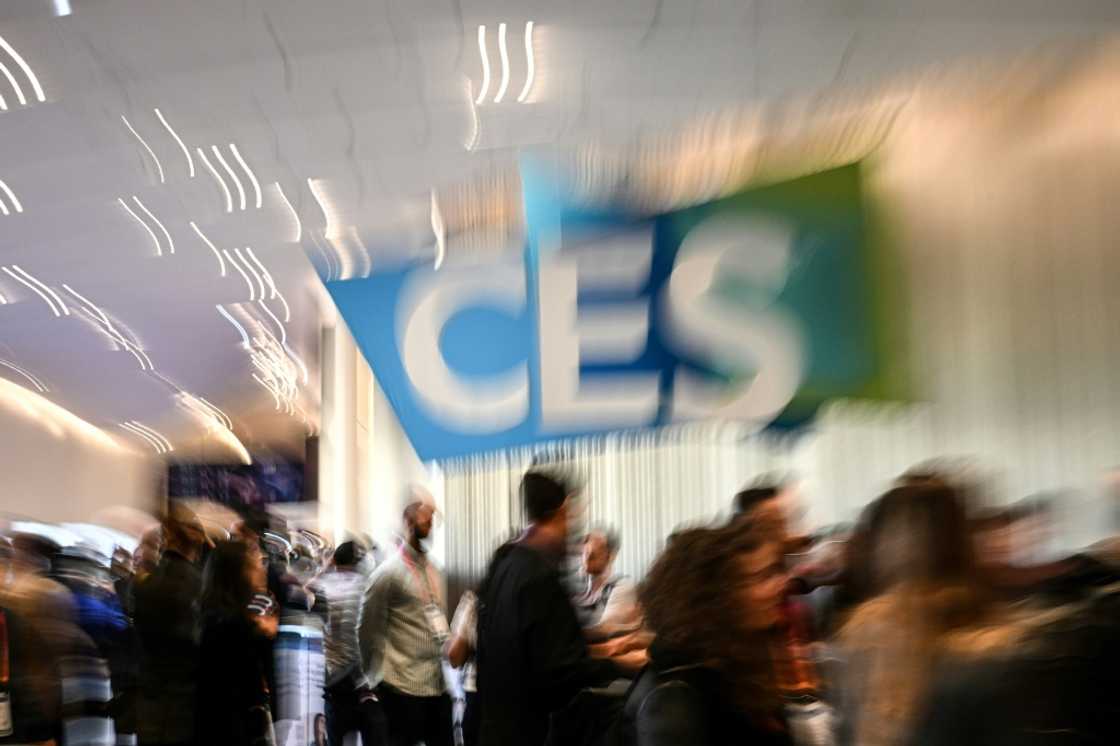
(468, 405)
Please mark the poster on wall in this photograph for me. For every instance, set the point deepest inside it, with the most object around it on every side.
(755, 308)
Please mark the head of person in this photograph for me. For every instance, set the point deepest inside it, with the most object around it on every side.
(234, 572)
(713, 598)
(920, 534)
(183, 532)
(148, 551)
(546, 496)
(419, 516)
(347, 555)
(765, 507)
(600, 547)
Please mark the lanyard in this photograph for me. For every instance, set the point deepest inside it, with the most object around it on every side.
(426, 583)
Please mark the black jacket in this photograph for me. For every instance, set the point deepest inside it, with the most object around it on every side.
(673, 703)
(532, 658)
(166, 624)
(233, 694)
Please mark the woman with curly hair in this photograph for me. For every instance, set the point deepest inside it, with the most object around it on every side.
(712, 599)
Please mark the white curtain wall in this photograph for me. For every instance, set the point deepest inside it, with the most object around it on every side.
(1001, 208)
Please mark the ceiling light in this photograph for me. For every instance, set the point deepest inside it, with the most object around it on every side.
(440, 231)
(232, 175)
(152, 153)
(15, 84)
(221, 182)
(182, 145)
(484, 88)
(11, 196)
(34, 381)
(531, 64)
(164, 441)
(476, 126)
(237, 325)
(320, 195)
(50, 291)
(155, 444)
(504, 54)
(25, 67)
(170, 243)
(221, 261)
(137, 218)
(275, 291)
(103, 320)
(17, 278)
(252, 270)
(248, 282)
(252, 177)
(299, 223)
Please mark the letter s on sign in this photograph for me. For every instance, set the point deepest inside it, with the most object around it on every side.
(733, 339)
(429, 300)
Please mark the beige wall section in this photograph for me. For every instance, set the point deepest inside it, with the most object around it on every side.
(58, 468)
(365, 460)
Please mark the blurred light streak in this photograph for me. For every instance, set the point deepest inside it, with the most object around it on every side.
(26, 71)
(252, 177)
(166, 443)
(299, 223)
(504, 55)
(170, 243)
(12, 81)
(330, 229)
(476, 125)
(182, 145)
(11, 196)
(232, 175)
(221, 182)
(3, 208)
(36, 290)
(275, 291)
(138, 219)
(248, 282)
(62, 7)
(34, 381)
(531, 65)
(237, 325)
(484, 88)
(111, 330)
(440, 231)
(52, 416)
(221, 261)
(252, 270)
(152, 153)
(48, 289)
(155, 444)
(224, 433)
(217, 411)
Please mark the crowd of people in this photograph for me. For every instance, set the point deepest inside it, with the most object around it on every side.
(922, 624)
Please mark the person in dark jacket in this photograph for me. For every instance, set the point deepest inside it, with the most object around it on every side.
(235, 648)
(166, 625)
(532, 658)
(713, 599)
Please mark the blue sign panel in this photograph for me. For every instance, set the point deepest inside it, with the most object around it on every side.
(754, 308)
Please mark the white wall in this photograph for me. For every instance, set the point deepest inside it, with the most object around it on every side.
(57, 467)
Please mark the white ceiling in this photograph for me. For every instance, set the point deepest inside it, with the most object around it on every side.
(370, 99)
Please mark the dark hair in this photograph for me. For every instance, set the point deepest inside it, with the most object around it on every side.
(543, 492)
(347, 554)
(695, 618)
(750, 498)
(225, 588)
(610, 536)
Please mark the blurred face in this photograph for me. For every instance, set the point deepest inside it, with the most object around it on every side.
(422, 521)
(773, 517)
(761, 584)
(596, 555)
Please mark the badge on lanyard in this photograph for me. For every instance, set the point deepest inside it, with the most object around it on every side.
(437, 622)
